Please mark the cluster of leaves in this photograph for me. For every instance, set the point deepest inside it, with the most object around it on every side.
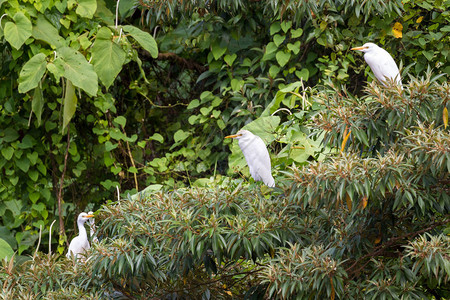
(388, 184)
(69, 128)
(368, 221)
(50, 277)
(191, 242)
(56, 56)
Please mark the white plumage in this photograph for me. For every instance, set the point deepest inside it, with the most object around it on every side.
(256, 155)
(381, 63)
(80, 243)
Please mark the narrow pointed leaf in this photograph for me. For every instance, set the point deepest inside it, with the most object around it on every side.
(70, 103)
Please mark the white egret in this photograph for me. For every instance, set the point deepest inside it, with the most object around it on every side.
(381, 63)
(80, 243)
(256, 155)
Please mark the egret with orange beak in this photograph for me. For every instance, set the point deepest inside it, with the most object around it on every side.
(256, 155)
(381, 63)
(80, 243)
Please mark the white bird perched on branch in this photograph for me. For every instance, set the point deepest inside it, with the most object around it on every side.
(256, 155)
(381, 63)
(80, 243)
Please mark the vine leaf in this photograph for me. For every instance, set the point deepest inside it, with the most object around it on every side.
(17, 32)
(70, 104)
(107, 57)
(78, 70)
(144, 39)
(45, 31)
(32, 72)
(86, 8)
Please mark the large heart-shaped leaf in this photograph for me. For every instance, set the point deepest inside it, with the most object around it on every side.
(45, 31)
(32, 72)
(283, 58)
(144, 39)
(107, 57)
(86, 8)
(17, 32)
(78, 70)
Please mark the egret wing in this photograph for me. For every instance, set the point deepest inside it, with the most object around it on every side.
(258, 161)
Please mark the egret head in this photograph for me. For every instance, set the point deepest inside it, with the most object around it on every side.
(83, 217)
(367, 47)
(240, 134)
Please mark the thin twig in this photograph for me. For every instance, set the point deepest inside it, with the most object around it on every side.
(62, 231)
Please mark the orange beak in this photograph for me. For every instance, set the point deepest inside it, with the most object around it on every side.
(358, 48)
(89, 216)
(232, 136)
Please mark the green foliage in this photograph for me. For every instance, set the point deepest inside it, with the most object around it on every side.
(146, 109)
(46, 64)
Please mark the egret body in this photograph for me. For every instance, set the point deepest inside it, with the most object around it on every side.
(80, 243)
(381, 63)
(256, 155)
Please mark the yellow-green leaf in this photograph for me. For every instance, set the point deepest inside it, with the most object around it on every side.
(445, 117)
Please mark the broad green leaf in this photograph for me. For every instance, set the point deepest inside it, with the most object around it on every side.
(271, 48)
(229, 59)
(78, 70)
(286, 25)
(294, 47)
(193, 104)
(302, 74)
(27, 142)
(274, 28)
(273, 71)
(86, 8)
(107, 57)
(23, 164)
(17, 32)
(144, 39)
(157, 137)
(56, 68)
(10, 135)
(296, 33)
(5, 250)
(7, 152)
(70, 103)
(45, 31)
(217, 50)
(278, 39)
(282, 58)
(32, 72)
(121, 120)
(180, 135)
(37, 104)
